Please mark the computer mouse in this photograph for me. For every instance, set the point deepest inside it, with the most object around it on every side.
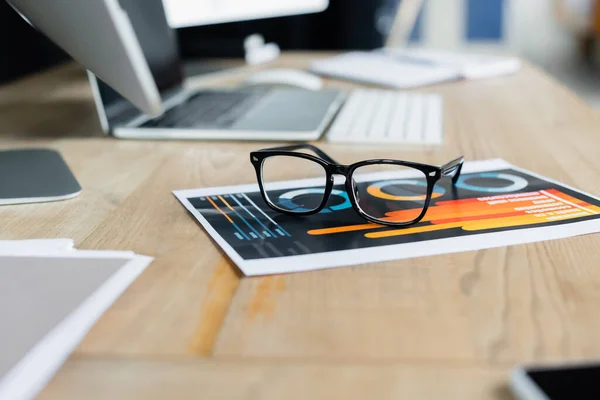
(285, 77)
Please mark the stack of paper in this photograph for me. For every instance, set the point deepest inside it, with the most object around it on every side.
(380, 69)
(50, 296)
(408, 68)
(468, 65)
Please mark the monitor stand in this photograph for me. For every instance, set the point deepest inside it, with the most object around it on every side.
(35, 176)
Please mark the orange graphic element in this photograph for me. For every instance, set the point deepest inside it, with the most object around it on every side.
(475, 218)
(417, 229)
(226, 203)
(341, 229)
(217, 207)
(479, 225)
(453, 209)
(483, 213)
(380, 194)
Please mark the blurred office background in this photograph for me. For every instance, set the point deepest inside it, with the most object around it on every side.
(557, 35)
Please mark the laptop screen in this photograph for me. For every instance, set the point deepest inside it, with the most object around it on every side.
(159, 44)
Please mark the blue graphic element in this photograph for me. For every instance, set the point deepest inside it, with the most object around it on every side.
(267, 232)
(518, 183)
(286, 200)
(240, 231)
(412, 182)
(244, 220)
(438, 191)
(237, 235)
(280, 232)
(266, 216)
(484, 20)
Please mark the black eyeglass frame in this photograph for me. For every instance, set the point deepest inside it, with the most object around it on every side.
(432, 173)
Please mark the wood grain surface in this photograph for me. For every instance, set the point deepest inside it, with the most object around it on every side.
(447, 327)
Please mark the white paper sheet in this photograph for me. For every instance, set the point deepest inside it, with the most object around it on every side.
(32, 246)
(48, 302)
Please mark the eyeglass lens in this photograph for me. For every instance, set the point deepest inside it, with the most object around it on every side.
(386, 192)
(389, 192)
(281, 168)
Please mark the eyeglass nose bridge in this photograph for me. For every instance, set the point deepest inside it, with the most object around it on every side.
(341, 170)
(344, 170)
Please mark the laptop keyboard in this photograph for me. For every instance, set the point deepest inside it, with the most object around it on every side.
(219, 110)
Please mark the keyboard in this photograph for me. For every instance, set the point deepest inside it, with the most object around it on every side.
(388, 116)
(219, 110)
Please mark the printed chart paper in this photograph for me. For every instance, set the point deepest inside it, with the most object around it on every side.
(493, 204)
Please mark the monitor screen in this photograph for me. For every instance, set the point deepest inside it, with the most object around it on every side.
(159, 44)
(183, 13)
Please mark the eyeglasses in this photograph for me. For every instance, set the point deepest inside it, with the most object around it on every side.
(388, 192)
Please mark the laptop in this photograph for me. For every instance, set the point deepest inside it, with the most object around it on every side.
(137, 80)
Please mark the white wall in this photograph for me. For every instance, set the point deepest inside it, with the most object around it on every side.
(536, 34)
(530, 27)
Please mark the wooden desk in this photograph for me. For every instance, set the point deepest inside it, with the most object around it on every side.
(447, 327)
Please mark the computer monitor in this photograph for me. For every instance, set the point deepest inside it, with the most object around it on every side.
(184, 13)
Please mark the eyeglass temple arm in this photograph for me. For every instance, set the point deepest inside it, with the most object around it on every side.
(305, 146)
(453, 168)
